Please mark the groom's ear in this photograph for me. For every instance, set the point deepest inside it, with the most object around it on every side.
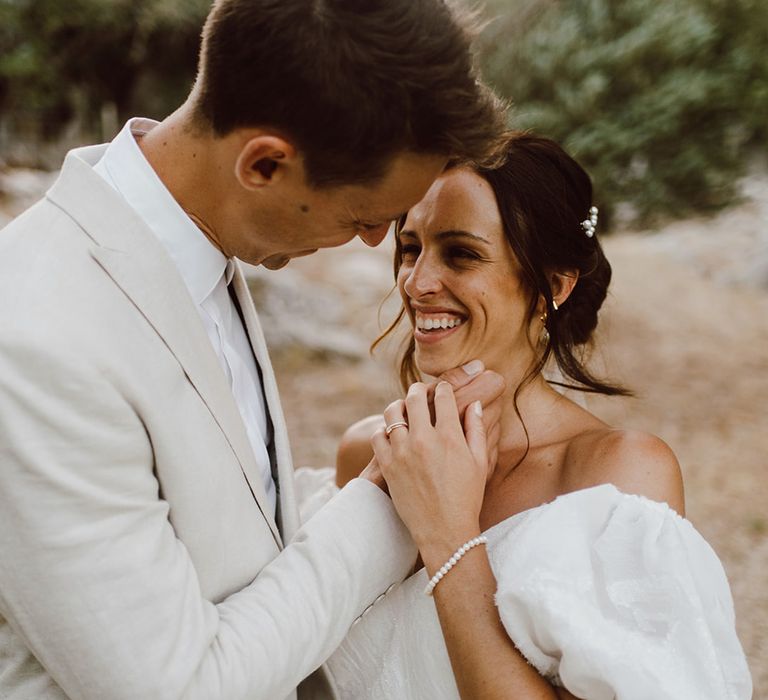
(264, 160)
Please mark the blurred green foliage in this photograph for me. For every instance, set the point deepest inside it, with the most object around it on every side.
(661, 101)
(61, 61)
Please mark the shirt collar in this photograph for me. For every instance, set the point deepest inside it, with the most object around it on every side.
(124, 166)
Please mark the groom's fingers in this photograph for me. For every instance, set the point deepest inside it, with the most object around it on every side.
(471, 382)
(492, 436)
(461, 376)
(485, 387)
(492, 415)
(458, 378)
(374, 474)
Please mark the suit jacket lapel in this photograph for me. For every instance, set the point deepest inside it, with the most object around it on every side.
(289, 514)
(136, 261)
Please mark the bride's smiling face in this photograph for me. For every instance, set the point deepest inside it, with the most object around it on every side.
(460, 281)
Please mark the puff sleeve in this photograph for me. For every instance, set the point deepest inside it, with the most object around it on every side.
(616, 596)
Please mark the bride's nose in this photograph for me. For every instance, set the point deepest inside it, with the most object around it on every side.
(424, 278)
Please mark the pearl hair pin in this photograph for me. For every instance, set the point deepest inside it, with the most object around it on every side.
(589, 225)
(458, 554)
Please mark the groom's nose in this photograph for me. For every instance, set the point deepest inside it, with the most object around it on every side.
(373, 237)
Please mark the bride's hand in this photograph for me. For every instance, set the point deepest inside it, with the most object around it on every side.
(436, 475)
(471, 383)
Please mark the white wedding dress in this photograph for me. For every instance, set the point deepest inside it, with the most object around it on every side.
(606, 594)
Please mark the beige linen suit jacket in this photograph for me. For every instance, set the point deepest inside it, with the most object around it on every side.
(138, 558)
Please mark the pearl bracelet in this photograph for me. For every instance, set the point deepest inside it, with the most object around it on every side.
(445, 568)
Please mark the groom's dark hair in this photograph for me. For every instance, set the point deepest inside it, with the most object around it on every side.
(350, 82)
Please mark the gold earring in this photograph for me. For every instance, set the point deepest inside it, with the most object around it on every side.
(544, 335)
(554, 305)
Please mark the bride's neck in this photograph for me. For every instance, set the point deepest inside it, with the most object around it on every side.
(533, 411)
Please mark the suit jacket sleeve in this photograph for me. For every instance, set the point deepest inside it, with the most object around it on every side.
(96, 583)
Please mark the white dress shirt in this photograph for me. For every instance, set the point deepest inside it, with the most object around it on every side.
(206, 273)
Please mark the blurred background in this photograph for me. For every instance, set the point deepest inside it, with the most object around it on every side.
(664, 103)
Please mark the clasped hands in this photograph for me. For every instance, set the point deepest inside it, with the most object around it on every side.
(440, 451)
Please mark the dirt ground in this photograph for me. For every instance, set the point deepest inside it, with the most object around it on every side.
(694, 350)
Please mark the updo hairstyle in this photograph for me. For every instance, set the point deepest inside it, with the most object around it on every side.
(543, 195)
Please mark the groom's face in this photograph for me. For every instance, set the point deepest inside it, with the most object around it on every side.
(298, 219)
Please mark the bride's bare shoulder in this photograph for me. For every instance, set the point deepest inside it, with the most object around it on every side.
(363, 430)
(632, 460)
(355, 450)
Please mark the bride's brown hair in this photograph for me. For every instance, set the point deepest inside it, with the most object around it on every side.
(543, 195)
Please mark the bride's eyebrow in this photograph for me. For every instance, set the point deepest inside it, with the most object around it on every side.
(444, 235)
(458, 233)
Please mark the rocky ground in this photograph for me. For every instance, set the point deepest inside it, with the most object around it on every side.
(686, 327)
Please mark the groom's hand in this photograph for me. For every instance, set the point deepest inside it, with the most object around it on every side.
(472, 382)
(373, 473)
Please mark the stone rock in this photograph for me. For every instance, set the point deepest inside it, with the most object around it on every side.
(298, 315)
(22, 187)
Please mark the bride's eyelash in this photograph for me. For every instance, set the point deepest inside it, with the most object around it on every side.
(460, 257)
(409, 249)
(452, 253)
(463, 253)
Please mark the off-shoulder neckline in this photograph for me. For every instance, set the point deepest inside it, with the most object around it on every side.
(581, 493)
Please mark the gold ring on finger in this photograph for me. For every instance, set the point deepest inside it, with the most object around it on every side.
(394, 426)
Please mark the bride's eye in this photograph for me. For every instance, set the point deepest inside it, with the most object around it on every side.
(461, 254)
(409, 252)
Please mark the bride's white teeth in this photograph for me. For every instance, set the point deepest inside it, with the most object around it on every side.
(428, 324)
